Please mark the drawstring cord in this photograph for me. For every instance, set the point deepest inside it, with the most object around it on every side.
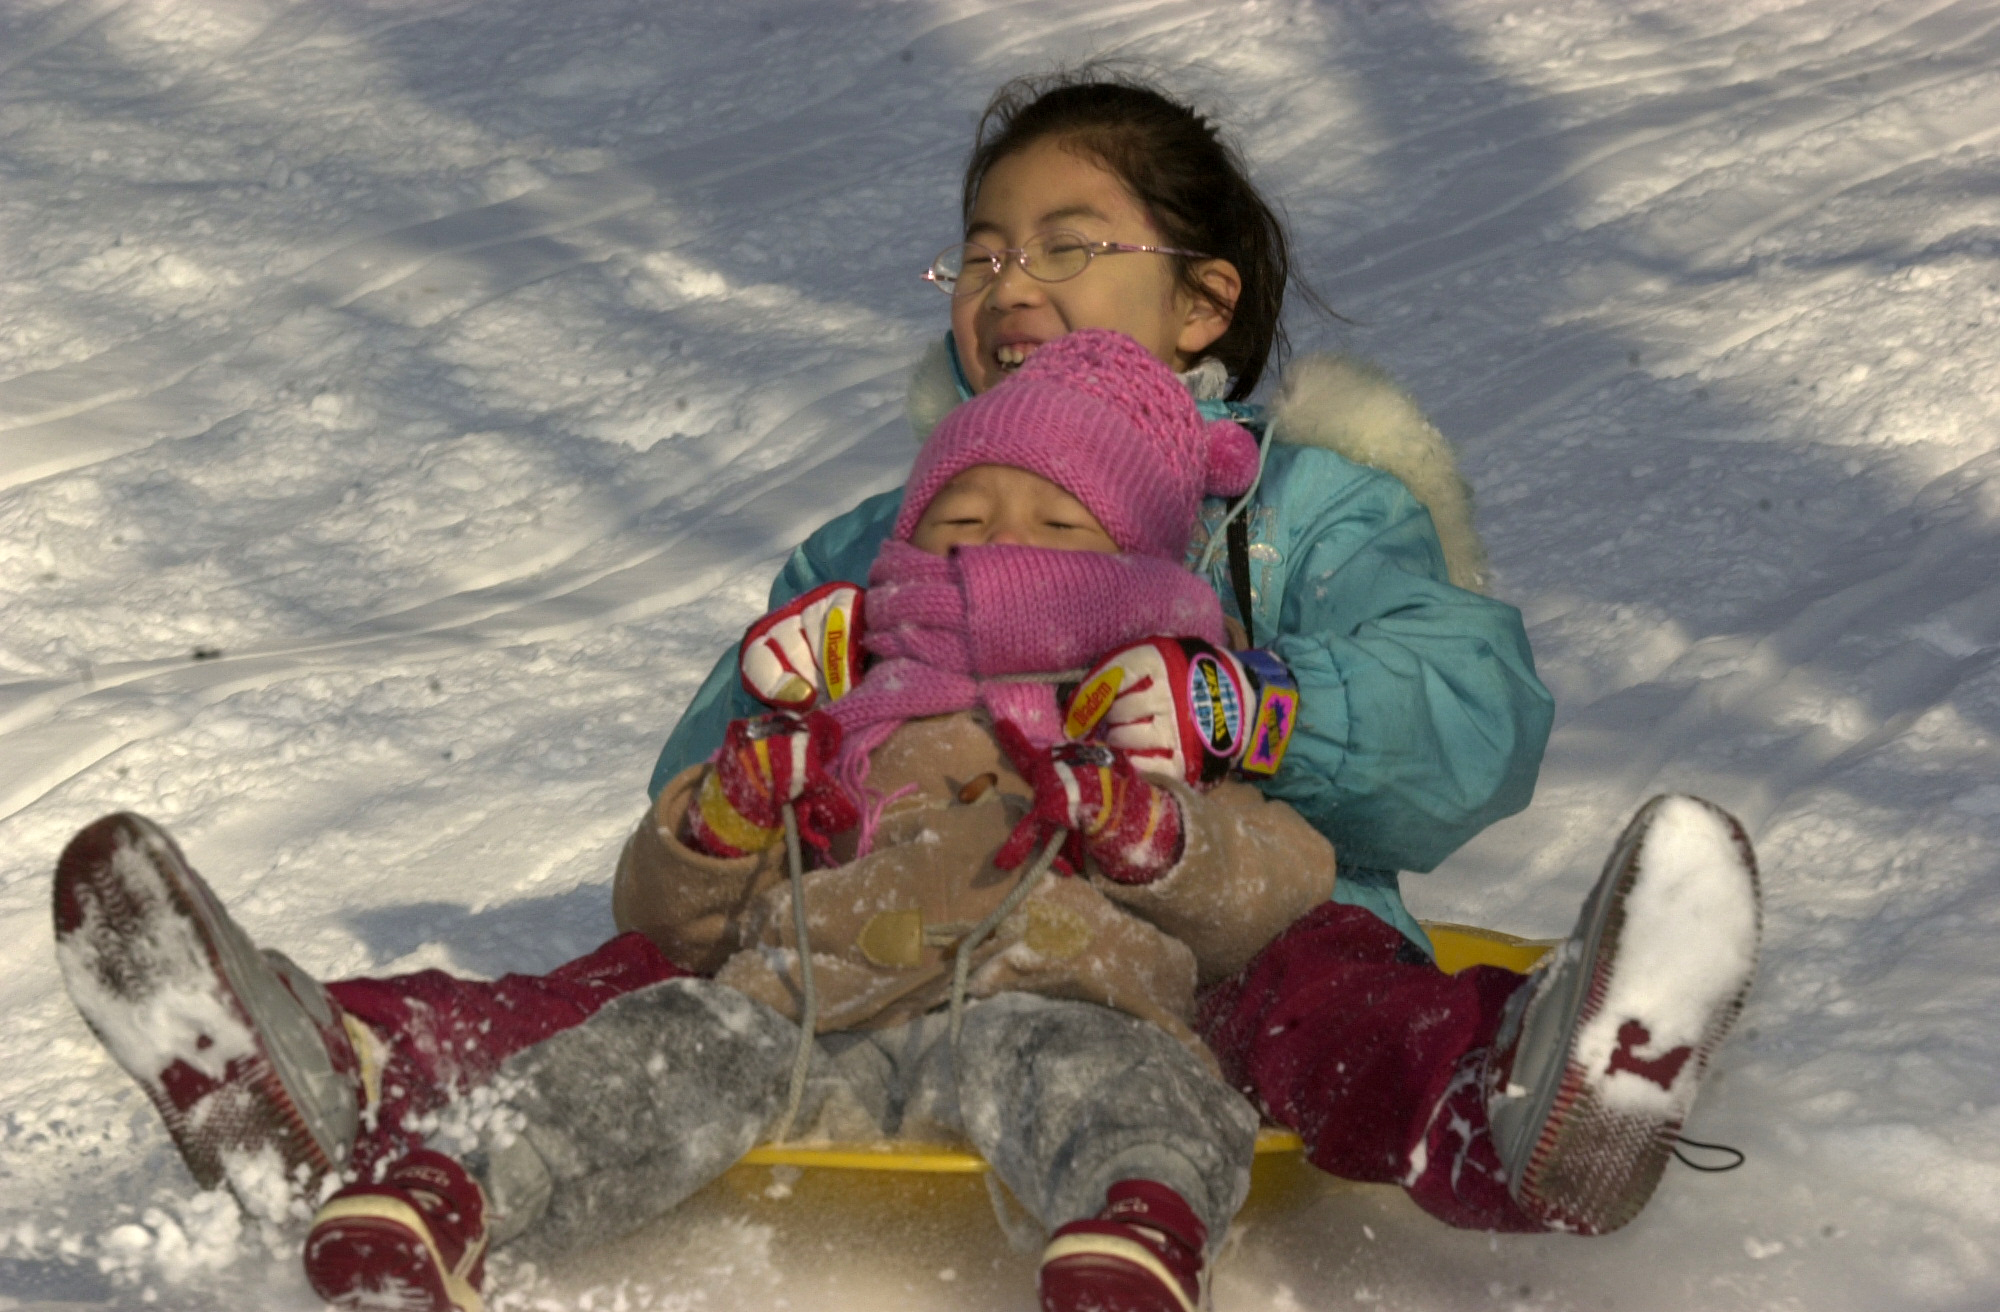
(809, 1009)
(1220, 533)
(961, 963)
(961, 966)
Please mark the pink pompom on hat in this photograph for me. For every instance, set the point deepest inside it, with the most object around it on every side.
(1095, 414)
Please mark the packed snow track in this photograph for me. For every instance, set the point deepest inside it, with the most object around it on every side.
(401, 401)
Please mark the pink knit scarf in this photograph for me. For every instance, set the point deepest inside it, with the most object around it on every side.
(997, 627)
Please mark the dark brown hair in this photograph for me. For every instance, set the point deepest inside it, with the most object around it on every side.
(1193, 185)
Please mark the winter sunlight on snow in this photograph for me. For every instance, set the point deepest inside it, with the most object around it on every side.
(402, 401)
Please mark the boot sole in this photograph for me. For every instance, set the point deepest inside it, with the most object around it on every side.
(1594, 1164)
(161, 983)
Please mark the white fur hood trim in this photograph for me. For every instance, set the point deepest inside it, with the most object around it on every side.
(1335, 402)
(1356, 410)
(933, 392)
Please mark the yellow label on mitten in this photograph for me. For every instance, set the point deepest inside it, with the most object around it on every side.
(1092, 700)
(723, 821)
(833, 654)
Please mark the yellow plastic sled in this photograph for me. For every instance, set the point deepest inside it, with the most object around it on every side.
(1458, 946)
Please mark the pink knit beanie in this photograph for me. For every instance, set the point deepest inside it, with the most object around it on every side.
(1095, 414)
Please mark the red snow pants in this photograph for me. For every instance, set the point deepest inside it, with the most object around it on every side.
(445, 1035)
(1373, 1059)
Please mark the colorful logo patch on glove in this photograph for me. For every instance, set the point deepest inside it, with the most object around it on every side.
(1272, 732)
(1216, 704)
(1275, 711)
(1092, 700)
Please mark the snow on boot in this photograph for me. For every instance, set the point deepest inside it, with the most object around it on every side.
(415, 1241)
(246, 1058)
(1600, 1055)
(1142, 1253)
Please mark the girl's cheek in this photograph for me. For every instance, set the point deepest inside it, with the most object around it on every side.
(965, 333)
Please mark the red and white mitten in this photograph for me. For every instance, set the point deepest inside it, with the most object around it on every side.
(1187, 709)
(807, 651)
(1129, 827)
(764, 765)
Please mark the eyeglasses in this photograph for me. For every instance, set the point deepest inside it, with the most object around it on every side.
(970, 268)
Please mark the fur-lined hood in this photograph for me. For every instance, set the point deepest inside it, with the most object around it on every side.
(1335, 402)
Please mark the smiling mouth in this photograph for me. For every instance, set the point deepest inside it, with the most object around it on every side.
(1013, 355)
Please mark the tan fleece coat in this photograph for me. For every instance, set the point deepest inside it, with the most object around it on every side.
(882, 926)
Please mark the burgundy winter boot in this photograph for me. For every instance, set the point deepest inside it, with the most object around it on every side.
(248, 1061)
(414, 1241)
(1599, 1056)
(1142, 1253)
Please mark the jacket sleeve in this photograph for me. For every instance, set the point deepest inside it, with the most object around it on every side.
(842, 549)
(693, 906)
(1249, 867)
(1421, 720)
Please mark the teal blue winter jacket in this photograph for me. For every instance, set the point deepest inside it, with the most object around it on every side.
(1420, 721)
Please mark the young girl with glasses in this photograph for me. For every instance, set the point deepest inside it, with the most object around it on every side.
(1348, 572)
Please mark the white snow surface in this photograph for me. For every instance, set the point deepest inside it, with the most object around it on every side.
(402, 400)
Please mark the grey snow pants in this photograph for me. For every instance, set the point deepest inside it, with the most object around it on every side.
(599, 1129)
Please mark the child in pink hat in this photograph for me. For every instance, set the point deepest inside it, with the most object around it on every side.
(1043, 525)
(1092, 421)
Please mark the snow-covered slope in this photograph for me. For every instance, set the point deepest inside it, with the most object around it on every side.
(401, 400)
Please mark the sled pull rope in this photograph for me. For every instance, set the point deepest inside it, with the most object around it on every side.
(1681, 1140)
(795, 1093)
(961, 963)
